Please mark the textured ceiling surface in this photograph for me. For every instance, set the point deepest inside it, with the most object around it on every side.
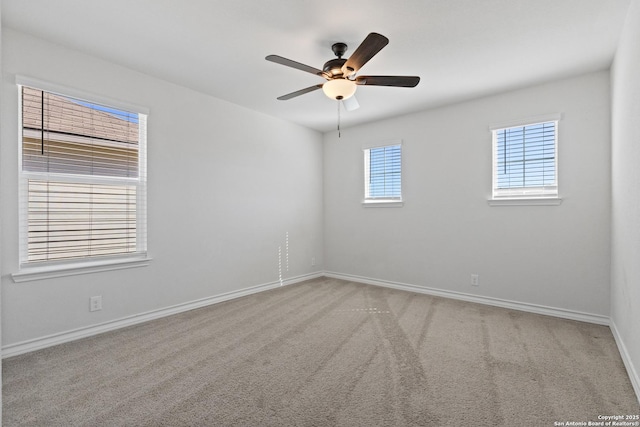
(461, 49)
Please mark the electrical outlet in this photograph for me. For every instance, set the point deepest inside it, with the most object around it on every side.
(313, 262)
(475, 280)
(95, 303)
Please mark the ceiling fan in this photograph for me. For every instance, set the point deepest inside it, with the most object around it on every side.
(340, 73)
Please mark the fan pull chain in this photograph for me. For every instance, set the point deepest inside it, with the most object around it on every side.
(338, 119)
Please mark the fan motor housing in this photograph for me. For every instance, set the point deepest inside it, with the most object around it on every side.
(333, 67)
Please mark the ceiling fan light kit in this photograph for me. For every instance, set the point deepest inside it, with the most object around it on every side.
(339, 89)
(340, 73)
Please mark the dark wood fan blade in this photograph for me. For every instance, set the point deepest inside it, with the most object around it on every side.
(299, 92)
(371, 45)
(397, 81)
(293, 64)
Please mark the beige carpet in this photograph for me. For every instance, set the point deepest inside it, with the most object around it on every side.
(322, 353)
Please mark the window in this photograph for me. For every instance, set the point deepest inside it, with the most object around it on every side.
(82, 180)
(525, 161)
(383, 174)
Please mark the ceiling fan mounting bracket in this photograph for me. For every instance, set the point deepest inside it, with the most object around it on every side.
(339, 49)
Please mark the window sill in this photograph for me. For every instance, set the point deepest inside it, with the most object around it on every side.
(556, 201)
(29, 274)
(383, 203)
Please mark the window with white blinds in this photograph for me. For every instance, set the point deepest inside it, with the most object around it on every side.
(383, 173)
(82, 179)
(525, 161)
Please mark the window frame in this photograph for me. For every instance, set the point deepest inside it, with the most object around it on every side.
(30, 270)
(385, 201)
(522, 196)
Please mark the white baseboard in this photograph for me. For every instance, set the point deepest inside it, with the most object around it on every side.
(514, 305)
(75, 334)
(626, 358)
(62, 337)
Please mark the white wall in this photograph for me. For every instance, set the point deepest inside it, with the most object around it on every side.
(1, 242)
(554, 256)
(225, 186)
(625, 235)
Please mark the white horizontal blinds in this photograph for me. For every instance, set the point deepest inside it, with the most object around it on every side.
(81, 167)
(72, 220)
(385, 170)
(525, 162)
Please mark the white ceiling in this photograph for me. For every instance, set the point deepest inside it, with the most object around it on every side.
(461, 49)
